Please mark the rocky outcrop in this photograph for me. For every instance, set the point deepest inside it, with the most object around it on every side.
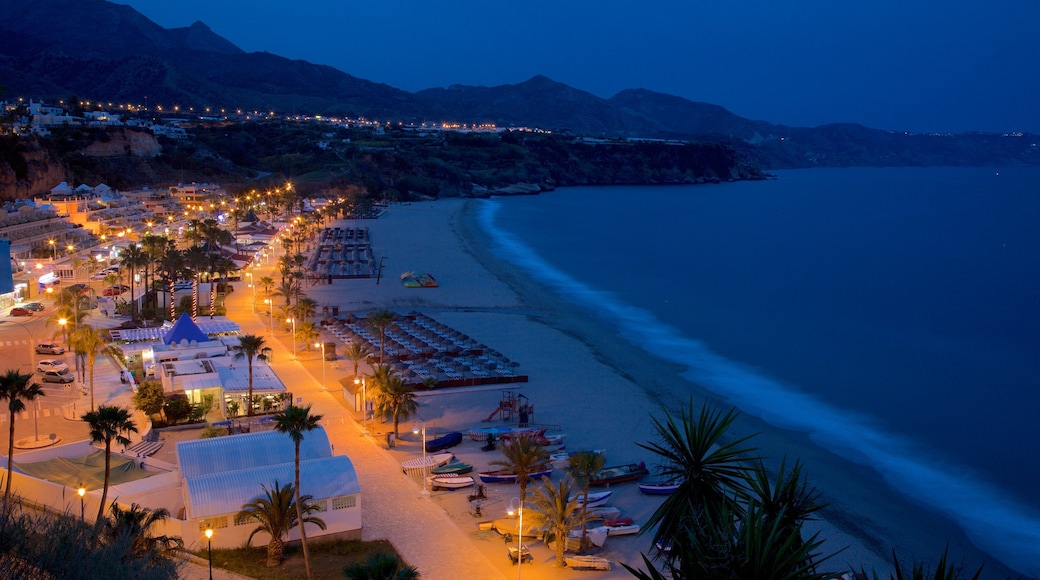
(119, 142)
(30, 170)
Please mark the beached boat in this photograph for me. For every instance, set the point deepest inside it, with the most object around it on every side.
(603, 512)
(506, 476)
(443, 442)
(562, 459)
(660, 487)
(450, 481)
(587, 563)
(619, 474)
(595, 499)
(621, 527)
(419, 465)
(458, 467)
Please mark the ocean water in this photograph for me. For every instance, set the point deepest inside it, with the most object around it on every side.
(891, 314)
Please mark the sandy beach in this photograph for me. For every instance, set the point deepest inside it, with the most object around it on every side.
(591, 384)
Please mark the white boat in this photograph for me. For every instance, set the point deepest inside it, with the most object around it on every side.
(450, 481)
(418, 467)
(603, 512)
(595, 499)
(621, 527)
(562, 459)
(587, 563)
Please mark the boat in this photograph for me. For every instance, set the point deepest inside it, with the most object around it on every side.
(562, 459)
(458, 467)
(523, 554)
(595, 499)
(450, 481)
(506, 476)
(621, 527)
(419, 465)
(587, 563)
(444, 442)
(660, 487)
(603, 512)
(619, 474)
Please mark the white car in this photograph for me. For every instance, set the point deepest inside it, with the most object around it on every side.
(49, 348)
(50, 364)
(56, 377)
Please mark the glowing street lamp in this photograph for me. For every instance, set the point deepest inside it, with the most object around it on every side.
(519, 533)
(415, 430)
(364, 404)
(82, 491)
(270, 312)
(253, 288)
(209, 548)
(293, 321)
(54, 249)
(324, 385)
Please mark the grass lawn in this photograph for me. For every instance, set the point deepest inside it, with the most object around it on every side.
(327, 559)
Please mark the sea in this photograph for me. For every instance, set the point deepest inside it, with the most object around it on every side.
(893, 314)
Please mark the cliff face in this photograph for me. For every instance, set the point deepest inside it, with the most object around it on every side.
(28, 169)
(124, 142)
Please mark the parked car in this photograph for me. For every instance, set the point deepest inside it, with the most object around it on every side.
(99, 276)
(56, 377)
(115, 290)
(81, 288)
(19, 311)
(34, 306)
(49, 348)
(51, 364)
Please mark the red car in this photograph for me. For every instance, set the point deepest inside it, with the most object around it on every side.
(114, 290)
(21, 312)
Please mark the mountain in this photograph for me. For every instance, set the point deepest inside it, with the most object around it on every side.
(108, 52)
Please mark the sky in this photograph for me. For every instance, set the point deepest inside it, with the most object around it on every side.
(911, 65)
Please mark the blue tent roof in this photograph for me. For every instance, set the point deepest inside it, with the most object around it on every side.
(185, 329)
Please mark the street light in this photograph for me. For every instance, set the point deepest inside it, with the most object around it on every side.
(54, 249)
(293, 321)
(63, 322)
(415, 430)
(253, 288)
(270, 312)
(209, 548)
(324, 385)
(364, 405)
(519, 533)
(82, 491)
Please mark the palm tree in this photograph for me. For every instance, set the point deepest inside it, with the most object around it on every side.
(381, 566)
(711, 471)
(789, 502)
(380, 320)
(394, 397)
(266, 283)
(582, 466)
(552, 508)
(307, 332)
(305, 308)
(133, 258)
(276, 513)
(88, 342)
(134, 524)
(108, 423)
(250, 347)
(16, 390)
(357, 351)
(295, 421)
(522, 455)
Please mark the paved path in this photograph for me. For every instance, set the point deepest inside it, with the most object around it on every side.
(391, 505)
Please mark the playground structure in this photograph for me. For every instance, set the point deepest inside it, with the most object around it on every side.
(513, 406)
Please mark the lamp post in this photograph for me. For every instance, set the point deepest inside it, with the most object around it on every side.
(54, 249)
(63, 323)
(82, 491)
(364, 406)
(519, 532)
(209, 549)
(324, 385)
(253, 288)
(415, 429)
(293, 321)
(270, 312)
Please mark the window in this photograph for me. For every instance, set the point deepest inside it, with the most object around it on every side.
(344, 502)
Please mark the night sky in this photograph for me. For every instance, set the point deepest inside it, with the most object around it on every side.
(923, 65)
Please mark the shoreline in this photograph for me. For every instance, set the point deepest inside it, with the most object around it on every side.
(571, 356)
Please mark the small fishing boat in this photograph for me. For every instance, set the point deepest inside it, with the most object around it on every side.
(562, 459)
(621, 527)
(450, 481)
(587, 563)
(419, 465)
(506, 476)
(443, 442)
(603, 512)
(660, 487)
(595, 499)
(619, 474)
(458, 467)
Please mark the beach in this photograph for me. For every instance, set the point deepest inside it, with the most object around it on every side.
(593, 385)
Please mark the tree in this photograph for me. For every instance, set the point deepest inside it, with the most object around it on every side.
(88, 341)
(788, 503)
(133, 259)
(357, 351)
(582, 466)
(380, 320)
(177, 407)
(552, 508)
(522, 455)
(381, 567)
(250, 347)
(307, 332)
(108, 423)
(275, 513)
(134, 524)
(16, 390)
(305, 308)
(395, 398)
(150, 398)
(266, 284)
(295, 421)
